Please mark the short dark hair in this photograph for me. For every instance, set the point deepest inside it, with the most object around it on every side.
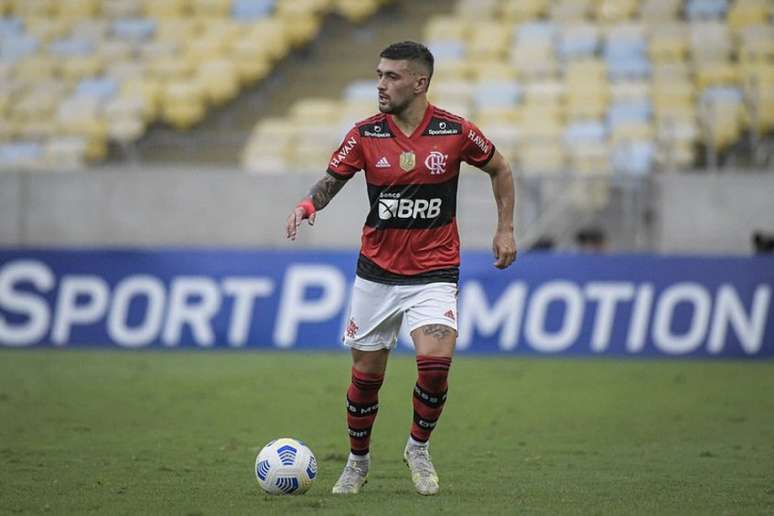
(410, 51)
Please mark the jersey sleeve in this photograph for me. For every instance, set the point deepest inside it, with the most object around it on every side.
(348, 158)
(477, 149)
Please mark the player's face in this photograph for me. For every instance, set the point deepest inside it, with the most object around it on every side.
(399, 83)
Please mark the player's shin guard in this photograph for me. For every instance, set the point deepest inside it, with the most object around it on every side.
(362, 406)
(429, 394)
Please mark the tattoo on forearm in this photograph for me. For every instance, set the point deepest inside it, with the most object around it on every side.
(324, 190)
(439, 331)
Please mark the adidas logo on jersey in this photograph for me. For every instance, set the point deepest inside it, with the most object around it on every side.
(383, 163)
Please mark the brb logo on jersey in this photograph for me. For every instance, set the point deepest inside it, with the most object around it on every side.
(396, 208)
(436, 163)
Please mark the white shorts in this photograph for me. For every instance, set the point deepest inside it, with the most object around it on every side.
(377, 310)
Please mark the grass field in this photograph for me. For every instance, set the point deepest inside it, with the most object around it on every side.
(94, 432)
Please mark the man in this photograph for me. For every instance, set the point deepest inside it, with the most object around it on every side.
(409, 258)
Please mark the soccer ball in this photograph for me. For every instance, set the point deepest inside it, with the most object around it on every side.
(285, 466)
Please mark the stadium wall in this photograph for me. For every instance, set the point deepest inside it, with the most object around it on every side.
(146, 207)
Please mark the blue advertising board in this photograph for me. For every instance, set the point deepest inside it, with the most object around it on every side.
(545, 304)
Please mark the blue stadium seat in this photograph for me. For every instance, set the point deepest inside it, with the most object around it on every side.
(634, 67)
(447, 49)
(19, 152)
(10, 26)
(634, 157)
(626, 112)
(578, 41)
(101, 88)
(14, 47)
(584, 131)
(536, 33)
(360, 90)
(250, 10)
(706, 9)
(490, 94)
(134, 29)
(71, 47)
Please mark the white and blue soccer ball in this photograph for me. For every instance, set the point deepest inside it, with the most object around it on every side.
(285, 466)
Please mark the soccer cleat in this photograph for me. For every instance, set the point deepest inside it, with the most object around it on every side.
(354, 476)
(423, 474)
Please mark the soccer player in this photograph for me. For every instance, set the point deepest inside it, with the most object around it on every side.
(409, 260)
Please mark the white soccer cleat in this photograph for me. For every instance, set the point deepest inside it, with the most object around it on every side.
(423, 474)
(354, 476)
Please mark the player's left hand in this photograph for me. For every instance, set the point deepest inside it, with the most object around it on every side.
(294, 221)
(504, 249)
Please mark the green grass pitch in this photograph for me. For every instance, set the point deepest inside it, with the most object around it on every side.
(99, 432)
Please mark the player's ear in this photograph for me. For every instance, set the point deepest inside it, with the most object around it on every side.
(423, 81)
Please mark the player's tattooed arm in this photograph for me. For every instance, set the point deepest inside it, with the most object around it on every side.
(324, 190)
(319, 197)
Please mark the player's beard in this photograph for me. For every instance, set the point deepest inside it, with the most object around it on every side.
(392, 108)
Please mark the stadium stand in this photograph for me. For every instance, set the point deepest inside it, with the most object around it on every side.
(78, 74)
(594, 86)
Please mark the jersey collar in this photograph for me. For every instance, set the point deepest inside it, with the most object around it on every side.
(420, 128)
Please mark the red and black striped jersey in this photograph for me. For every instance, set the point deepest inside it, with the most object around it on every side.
(410, 234)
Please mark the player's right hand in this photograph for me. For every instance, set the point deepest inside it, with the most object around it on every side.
(294, 221)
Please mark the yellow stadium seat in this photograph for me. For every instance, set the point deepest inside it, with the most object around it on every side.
(523, 10)
(209, 9)
(586, 106)
(479, 10)
(170, 68)
(499, 117)
(80, 67)
(590, 158)
(710, 41)
(444, 91)
(542, 158)
(716, 74)
(720, 124)
(746, 14)
(148, 90)
(177, 30)
(630, 91)
(303, 29)
(315, 111)
(655, 12)
(65, 153)
(36, 69)
(87, 124)
(668, 42)
(544, 92)
(441, 28)
(534, 63)
(205, 48)
(47, 30)
(356, 10)
(613, 11)
(79, 9)
(123, 8)
(268, 37)
(220, 80)
(493, 70)
(585, 70)
(488, 40)
(33, 8)
(631, 131)
(570, 10)
(541, 129)
(166, 8)
(114, 52)
(453, 69)
(183, 116)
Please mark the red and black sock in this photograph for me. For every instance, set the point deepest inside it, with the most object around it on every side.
(362, 406)
(429, 394)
